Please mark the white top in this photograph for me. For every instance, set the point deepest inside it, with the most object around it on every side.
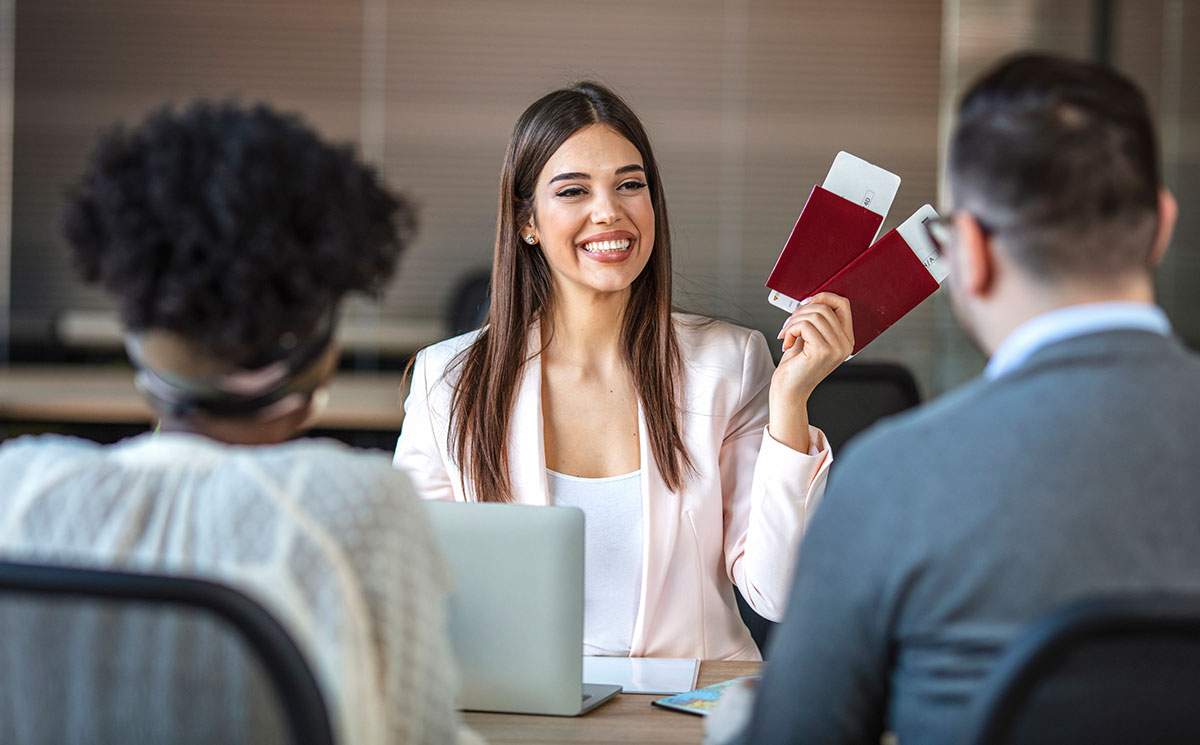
(1076, 320)
(329, 539)
(612, 555)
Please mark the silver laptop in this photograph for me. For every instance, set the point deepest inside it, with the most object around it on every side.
(516, 610)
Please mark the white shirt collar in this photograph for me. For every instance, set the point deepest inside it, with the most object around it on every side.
(1075, 320)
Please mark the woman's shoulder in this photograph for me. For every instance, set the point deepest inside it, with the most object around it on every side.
(437, 357)
(712, 339)
(721, 361)
(338, 477)
(48, 457)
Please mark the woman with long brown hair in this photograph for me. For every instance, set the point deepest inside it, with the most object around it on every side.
(689, 453)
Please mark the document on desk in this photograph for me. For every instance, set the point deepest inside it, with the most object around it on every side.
(642, 674)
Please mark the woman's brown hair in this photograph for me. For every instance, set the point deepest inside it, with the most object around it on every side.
(489, 371)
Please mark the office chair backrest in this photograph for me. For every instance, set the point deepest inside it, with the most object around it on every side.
(468, 306)
(89, 656)
(858, 394)
(1102, 672)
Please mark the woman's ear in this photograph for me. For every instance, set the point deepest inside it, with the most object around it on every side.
(1168, 213)
(973, 256)
(528, 229)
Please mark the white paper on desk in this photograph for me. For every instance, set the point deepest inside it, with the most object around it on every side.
(656, 675)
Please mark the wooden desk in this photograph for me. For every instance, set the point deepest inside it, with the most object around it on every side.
(628, 719)
(105, 395)
(103, 330)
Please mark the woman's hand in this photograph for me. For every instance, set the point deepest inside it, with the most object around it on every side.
(817, 338)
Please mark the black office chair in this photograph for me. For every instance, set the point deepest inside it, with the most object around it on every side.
(858, 394)
(82, 660)
(468, 306)
(1101, 672)
(851, 399)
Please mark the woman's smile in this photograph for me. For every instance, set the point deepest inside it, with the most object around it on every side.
(610, 247)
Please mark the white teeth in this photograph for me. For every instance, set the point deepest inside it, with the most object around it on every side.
(606, 246)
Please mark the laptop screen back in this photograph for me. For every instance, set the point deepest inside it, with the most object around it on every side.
(516, 608)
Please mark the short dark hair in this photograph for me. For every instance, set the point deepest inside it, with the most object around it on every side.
(1059, 158)
(235, 227)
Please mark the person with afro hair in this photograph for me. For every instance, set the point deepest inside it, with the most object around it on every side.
(228, 237)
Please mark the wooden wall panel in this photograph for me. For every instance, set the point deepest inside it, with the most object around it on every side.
(7, 44)
(1155, 43)
(981, 33)
(81, 65)
(746, 103)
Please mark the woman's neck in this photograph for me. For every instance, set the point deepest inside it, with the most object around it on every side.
(585, 330)
(232, 432)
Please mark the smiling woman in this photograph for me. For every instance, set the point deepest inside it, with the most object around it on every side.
(689, 453)
(560, 190)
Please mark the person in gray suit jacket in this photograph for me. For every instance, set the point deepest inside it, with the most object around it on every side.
(1069, 469)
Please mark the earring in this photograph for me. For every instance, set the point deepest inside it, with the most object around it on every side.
(530, 240)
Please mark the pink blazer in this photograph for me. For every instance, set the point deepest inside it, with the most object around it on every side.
(736, 521)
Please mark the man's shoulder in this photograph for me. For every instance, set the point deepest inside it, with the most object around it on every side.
(912, 465)
(1053, 396)
(911, 432)
(1189, 356)
(1132, 350)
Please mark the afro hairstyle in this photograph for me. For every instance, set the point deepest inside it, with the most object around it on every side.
(235, 227)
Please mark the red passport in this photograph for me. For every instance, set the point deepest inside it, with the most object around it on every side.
(829, 234)
(888, 280)
(832, 248)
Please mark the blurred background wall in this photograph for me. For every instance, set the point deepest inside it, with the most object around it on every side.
(746, 101)
(1152, 41)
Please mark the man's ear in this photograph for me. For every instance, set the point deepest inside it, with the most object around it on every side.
(973, 257)
(1168, 213)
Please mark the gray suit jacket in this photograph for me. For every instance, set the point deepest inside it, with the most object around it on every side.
(945, 530)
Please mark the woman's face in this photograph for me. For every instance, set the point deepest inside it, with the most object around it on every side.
(592, 215)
